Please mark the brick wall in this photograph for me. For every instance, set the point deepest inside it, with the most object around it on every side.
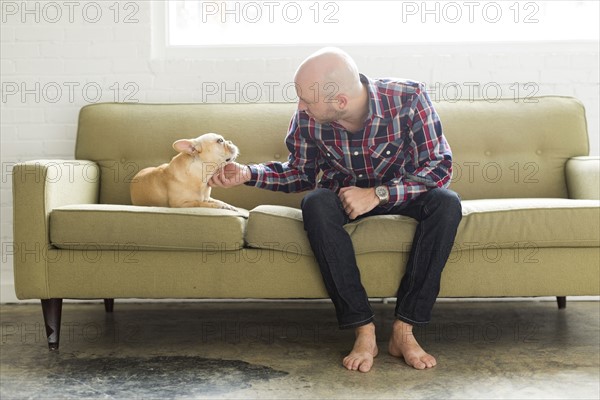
(51, 69)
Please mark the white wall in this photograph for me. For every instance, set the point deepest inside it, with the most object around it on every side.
(46, 66)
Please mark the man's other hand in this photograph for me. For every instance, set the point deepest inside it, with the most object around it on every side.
(358, 201)
(230, 175)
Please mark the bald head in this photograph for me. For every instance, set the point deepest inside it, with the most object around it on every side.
(333, 70)
(329, 89)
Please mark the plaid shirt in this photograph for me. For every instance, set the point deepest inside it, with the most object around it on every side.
(401, 146)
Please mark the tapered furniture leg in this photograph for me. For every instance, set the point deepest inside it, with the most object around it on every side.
(109, 305)
(52, 309)
(562, 302)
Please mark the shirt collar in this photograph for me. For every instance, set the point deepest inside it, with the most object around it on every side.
(375, 106)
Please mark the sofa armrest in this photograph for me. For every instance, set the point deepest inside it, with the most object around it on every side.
(583, 178)
(38, 187)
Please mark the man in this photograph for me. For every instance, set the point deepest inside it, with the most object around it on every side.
(380, 148)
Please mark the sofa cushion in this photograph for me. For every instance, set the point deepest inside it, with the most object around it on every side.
(513, 149)
(277, 228)
(281, 228)
(538, 222)
(501, 223)
(146, 228)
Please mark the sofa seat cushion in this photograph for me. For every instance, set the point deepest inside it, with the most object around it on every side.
(281, 228)
(540, 223)
(501, 223)
(103, 226)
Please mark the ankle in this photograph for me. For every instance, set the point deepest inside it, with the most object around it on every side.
(402, 330)
(402, 326)
(368, 329)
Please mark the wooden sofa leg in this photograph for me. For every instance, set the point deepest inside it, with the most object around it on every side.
(52, 309)
(109, 305)
(562, 302)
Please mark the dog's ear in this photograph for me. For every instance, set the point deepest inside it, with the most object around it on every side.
(186, 146)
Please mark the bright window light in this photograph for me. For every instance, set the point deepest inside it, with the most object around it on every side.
(241, 23)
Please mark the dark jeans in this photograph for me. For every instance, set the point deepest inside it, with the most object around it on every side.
(438, 212)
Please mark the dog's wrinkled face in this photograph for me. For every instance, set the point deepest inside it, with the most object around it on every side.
(209, 147)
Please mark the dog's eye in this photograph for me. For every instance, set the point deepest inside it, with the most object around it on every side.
(220, 140)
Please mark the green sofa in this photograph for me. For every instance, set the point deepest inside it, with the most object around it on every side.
(530, 222)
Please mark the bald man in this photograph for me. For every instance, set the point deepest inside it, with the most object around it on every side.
(380, 148)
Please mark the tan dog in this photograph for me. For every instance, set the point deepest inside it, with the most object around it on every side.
(184, 181)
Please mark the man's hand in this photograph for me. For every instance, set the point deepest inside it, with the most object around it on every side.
(358, 201)
(232, 174)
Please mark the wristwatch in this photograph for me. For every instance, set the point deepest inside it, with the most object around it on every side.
(383, 194)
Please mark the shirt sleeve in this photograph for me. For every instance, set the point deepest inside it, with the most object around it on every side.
(298, 173)
(430, 164)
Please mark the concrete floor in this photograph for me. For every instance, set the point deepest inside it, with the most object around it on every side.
(485, 350)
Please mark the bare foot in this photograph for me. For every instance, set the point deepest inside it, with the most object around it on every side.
(403, 344)
(364, 350)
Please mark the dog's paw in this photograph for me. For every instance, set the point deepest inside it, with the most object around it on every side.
(228, 207)
(225, 206)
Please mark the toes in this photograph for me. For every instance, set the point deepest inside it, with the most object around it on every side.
(429, 360)
(365, 366)
(416, 363)
(424, 363)
(350, 363)
(357, 364)
(347, 362)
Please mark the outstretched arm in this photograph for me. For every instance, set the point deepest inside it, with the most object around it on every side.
(295, 175)
(232, 174)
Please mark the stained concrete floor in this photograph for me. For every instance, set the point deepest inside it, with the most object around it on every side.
(487, 350)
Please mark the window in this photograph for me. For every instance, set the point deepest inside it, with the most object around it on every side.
(267, 23)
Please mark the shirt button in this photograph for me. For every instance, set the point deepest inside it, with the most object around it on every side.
(388, 152)
(328, 154)
(360, 175)
(356, 153)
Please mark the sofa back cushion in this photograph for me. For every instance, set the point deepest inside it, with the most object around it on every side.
(501, 149)
(124, 138)
(513, 149)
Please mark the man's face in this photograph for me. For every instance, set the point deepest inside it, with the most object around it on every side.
(320, 108)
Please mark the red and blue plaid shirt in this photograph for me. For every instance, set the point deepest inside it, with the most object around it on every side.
(401, 146)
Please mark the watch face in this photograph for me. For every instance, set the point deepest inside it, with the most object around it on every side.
(381, 192)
